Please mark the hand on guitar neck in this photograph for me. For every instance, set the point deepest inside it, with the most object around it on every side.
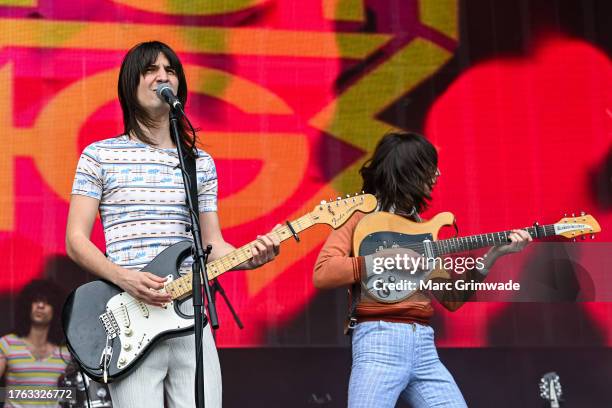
(519, 239)
(265, 249)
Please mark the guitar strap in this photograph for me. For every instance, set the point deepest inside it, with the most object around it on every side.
(190, 168)
(351, 319)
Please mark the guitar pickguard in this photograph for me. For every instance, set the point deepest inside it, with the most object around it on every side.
(139, 324)
(402, 282)
(378, 241)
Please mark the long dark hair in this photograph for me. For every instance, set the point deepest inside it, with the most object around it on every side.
(37, 290)
(401, 171)
(133, 68)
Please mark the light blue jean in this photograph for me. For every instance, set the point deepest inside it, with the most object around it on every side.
(393, 360)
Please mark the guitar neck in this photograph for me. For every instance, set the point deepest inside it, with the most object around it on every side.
(245, 252)
(181, 287)
(462, 244)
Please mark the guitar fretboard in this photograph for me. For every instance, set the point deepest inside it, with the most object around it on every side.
(461, 244)
(181, 287)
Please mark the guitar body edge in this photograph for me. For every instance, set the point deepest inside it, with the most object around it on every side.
(384, 221)
(140, 326)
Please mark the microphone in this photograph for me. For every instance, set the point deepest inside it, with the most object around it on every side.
(166, 94)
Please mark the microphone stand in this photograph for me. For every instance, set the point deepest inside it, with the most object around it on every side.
(200, 256)
(217, 288)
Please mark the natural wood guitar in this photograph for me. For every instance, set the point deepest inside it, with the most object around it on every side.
(381, 230)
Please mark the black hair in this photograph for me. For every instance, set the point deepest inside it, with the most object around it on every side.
(40, 290)
(134, 65)
(401, 172)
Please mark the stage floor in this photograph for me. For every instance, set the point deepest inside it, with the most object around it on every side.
(492, 377)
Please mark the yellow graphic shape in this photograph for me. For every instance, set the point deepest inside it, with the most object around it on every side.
(7, 155)
(245, 95)
(56, 130)
(211, 40)
(344, 10)
(191, 7)
(19, 3)
(352, 116)
(441, 15)
(51, 142)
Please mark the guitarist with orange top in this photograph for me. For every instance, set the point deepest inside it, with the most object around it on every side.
(393, 349)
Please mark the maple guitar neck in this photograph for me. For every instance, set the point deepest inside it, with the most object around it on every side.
(182, 287)
(334, 214)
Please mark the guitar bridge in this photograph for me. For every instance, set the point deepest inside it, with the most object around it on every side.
(110, 324)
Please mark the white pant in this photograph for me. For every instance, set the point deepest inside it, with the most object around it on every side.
(170, 368)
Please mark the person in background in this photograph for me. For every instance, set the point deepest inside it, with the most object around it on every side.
(32, 357)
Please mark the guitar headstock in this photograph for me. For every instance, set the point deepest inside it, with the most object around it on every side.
(550, 389)
(572, 227)
(337, 212)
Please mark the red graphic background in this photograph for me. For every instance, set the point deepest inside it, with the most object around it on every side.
(521, 137)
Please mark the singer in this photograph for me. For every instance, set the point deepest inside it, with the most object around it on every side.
(133, 181)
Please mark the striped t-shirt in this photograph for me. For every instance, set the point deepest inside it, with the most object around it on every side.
(142, 199)
(23, 370)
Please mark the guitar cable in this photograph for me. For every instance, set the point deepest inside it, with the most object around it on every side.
(86, 387)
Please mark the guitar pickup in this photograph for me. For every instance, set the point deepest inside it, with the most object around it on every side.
(125, 315)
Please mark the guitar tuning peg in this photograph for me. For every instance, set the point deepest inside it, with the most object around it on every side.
(582, 213)
(348, 195)
(592, 236)
(573, 215)
(574, 239)
(323, 202)
(583, 237)
(565, 214)
(338, 198)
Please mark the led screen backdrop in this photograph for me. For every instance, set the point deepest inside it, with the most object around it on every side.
(290, 97)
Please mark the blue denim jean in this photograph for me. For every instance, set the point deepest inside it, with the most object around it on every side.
(393, 360)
